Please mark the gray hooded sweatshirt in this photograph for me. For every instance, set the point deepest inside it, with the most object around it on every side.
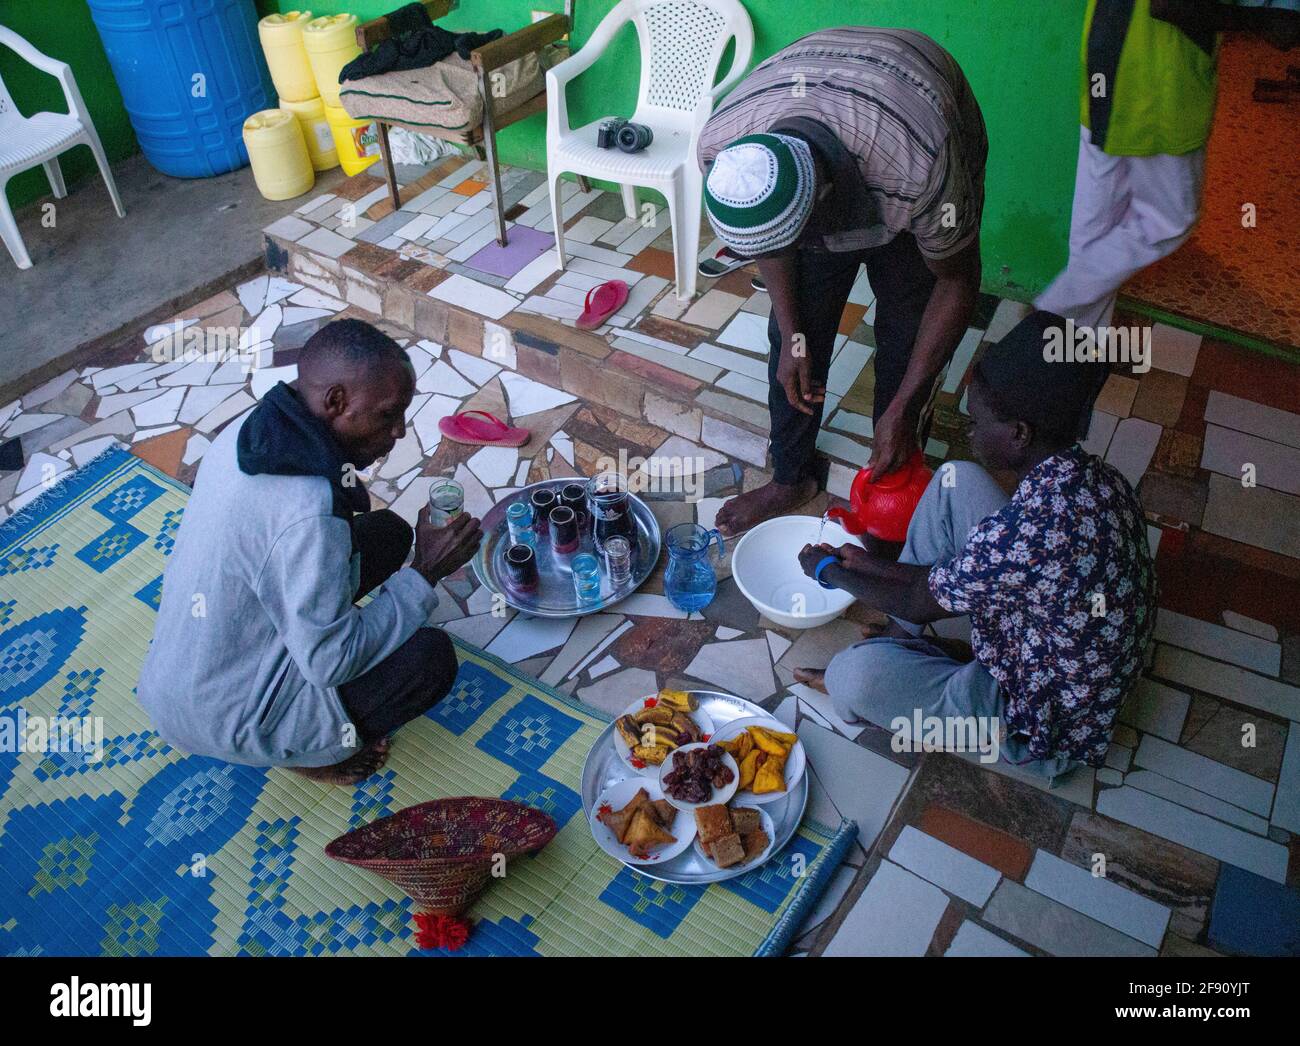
(257, 629)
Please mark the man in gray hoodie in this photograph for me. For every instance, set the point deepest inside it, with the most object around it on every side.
(260, 654)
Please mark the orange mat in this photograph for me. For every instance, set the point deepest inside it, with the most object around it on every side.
(1243, 279)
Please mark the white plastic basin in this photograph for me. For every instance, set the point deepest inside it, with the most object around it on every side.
(766, 567)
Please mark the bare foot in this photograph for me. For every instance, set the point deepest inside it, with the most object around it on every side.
(353, 770)
(761, 504)
(813, 677)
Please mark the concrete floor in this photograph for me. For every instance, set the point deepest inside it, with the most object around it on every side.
(93, 274)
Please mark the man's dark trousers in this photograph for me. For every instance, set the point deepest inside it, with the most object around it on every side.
(419, 673)
(902, 284)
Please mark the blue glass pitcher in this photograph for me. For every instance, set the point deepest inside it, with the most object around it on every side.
(690, 582)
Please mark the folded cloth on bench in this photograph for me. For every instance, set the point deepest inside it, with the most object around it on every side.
(414, 50)
(443, 97)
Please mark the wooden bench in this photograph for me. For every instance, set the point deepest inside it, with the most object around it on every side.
(486, 59)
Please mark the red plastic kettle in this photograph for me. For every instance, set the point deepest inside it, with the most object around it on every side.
(884, 509)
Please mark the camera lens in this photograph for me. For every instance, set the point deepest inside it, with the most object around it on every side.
(633, 137)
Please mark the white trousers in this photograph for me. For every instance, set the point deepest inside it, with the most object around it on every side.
(1129, 212)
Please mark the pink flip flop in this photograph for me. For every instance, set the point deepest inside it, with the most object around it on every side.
(601, 303)
(462, 428)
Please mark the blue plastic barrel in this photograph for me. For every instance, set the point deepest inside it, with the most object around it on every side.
(190, 72)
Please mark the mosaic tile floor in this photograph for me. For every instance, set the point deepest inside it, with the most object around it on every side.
(1199, 832)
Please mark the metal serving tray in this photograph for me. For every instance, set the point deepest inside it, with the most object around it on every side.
(604, 768)
(555, 595)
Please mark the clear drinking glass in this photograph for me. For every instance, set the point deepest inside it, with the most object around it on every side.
(618, 561)
(446, 501)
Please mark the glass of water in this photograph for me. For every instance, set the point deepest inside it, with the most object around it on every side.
(446, 501)
(586, 577)
(618, 560)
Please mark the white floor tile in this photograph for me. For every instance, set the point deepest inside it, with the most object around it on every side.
(325, 242)
(586, 634)
(1233, 412)
(1259, 629)
(252, 295)
(1218, 642)
(495, 466)
(1056, 928)
(478, 297)
(1131, 447)
(479, 629)
(1275, 465)
(1098, 898)
(648, 604)
(1227, 681)
(734, 361)
(586, 229)
(1100, 431)
(658, 343)
(739, 667)
(1174, 349)
(108, 405)
(527, 637)
(161, 410)
(425, 421)
(972, 940)
(266, 378)
(1254, 516)
(1185, 795)
(1204, 774)
(862, 785)
(825, 709)
(228, 408)
(896, 914)
(477, 369)
(946, 867)
(746, 330)
(1195, 831)
(444, 380)
(526, 396)
(743, 385)
(1156, 709)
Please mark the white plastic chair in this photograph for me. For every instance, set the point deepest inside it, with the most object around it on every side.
(28, 141)
(681, 46)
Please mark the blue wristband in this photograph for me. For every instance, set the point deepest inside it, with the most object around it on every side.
(822, 564)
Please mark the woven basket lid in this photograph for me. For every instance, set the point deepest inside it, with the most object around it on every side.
(441, 853)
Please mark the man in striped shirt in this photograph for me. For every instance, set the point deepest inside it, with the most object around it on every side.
(852, 146)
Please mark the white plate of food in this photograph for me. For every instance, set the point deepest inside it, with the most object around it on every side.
(632, 822)
(733, 836)
(659, 723)
(770, 757)
(698, 775)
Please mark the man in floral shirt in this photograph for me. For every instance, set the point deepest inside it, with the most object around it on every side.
(1058, 581)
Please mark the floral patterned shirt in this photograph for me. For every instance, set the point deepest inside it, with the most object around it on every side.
(1061, 593)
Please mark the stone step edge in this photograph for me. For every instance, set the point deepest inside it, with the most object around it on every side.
(396, 290)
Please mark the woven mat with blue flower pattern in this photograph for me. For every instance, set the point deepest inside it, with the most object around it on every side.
(149, 851)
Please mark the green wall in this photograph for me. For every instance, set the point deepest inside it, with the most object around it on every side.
(1021, 57)
(63, 29)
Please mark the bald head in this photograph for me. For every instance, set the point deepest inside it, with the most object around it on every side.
(358, 381)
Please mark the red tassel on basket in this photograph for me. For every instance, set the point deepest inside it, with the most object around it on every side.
(441, 931)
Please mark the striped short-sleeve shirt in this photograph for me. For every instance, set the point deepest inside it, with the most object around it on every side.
(900, 105)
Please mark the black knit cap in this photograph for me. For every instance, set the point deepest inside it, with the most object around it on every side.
(1027, 382)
